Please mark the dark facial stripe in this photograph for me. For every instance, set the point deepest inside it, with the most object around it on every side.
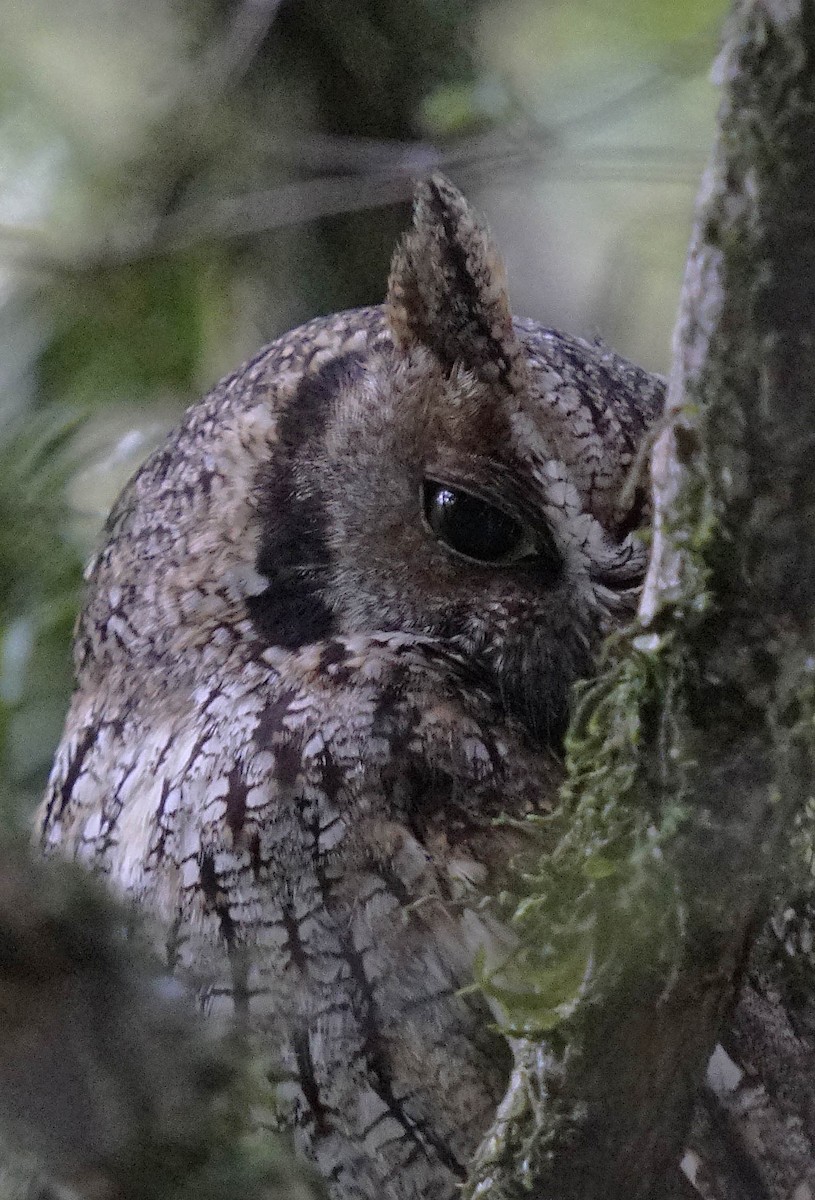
(293, 552)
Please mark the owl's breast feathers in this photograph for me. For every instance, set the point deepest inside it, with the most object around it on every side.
(248, 816)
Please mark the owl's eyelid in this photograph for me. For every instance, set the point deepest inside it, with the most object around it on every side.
(484, 493)
(495, 483)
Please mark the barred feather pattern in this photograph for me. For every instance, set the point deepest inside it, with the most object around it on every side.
(298, 715)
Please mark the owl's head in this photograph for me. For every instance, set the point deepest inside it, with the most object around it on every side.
(434, 467)
(466, 482)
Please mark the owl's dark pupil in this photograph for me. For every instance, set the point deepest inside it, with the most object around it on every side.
(470, 525)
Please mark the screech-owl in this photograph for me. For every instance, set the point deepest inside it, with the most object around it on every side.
(329, 639)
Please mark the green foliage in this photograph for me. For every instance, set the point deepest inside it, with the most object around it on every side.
(40, 577)
(130, 330)
(458, 108)
(654, 22)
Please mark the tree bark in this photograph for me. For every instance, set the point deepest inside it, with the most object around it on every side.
(691, 762)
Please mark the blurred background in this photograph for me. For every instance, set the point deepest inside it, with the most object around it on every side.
(182, 180)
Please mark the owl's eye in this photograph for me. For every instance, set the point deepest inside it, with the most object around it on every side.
(473, 527)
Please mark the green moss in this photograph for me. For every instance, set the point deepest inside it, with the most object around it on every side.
(603, 893)
(602, 889)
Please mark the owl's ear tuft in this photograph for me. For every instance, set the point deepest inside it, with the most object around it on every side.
(447, 289)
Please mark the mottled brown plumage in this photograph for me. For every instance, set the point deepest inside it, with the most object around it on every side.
(329, 638)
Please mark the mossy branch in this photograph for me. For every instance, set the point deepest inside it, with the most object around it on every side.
(692, 757)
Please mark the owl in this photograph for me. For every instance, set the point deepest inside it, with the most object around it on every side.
(328, 641)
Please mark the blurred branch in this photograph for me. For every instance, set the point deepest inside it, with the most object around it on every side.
(297, 203)
(229, 59)
(107, 1081)
(377, 174)
(352, 174)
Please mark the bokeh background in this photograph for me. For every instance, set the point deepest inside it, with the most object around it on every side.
(182, 180)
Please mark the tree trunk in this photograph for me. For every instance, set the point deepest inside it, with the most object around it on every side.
(691, 764)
